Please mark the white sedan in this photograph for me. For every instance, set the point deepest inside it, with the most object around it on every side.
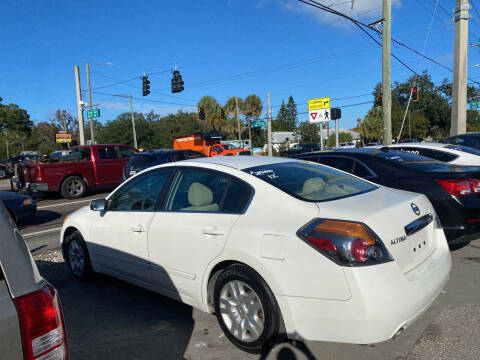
(272, 246)
(449, 153)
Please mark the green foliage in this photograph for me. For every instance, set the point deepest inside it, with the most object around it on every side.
(291, 114)
(473, 121)
(280, 123)
(342, 137)
(371, 128)
(173, 125)
(309, 133)
(212, 112)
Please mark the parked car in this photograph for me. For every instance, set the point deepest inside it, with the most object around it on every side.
(410, 141)
(208, 144)
(31, 319)
(299, 149)
(448, 153)
(19, 206)
(146, 159)
(373, 144)
(347, 145)
(454, 191)
(86, 167)
(270, 245)
(5, 169)
(471, 140)
(57, 155)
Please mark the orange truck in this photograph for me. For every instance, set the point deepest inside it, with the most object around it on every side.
(208, 144)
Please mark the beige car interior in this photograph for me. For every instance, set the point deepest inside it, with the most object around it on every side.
(200, 198)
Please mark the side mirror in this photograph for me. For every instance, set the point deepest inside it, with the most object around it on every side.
(98, 205)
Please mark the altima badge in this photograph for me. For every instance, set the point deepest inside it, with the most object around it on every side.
(415, 208)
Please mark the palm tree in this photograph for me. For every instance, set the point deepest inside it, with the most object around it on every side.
(212, 112)
(232, 107)
(252, 107)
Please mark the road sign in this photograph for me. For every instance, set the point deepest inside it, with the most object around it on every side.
(63, 138)
(258, 123)
(93, 113)
(317, 116)
(475, 105)
(318, 104)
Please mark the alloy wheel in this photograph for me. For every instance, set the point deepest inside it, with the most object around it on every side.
(76, 257)
(74, 187)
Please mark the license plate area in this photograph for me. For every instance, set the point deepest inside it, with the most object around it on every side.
(132, 172)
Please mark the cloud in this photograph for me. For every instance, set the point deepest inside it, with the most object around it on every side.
(362, 10)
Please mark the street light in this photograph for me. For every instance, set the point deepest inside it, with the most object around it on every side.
(133, 119)
(90, 105)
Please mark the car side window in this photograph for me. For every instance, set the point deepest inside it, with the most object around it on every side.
(197, 190)
(361, 171)
(238, 195)
(140, 194)
(126, 152)
(107, 153)
(176, 157)
(338, 162)
(217, 149)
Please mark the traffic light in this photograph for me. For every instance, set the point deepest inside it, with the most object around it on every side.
(201, 114)
(145, 86)
(222, 114)
(415, 93)
(335, 113)
(378, 100)
(177, 82)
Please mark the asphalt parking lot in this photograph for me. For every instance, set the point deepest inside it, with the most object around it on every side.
(110, 319)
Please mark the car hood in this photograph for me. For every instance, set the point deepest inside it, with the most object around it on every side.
(9, 195)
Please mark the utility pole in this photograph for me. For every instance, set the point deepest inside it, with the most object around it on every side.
(79, 106)
(135, 145)
(238, 123)
(336, 133)
(386, 74)
(90, 105)
(459, 86)
(269, 125)
(320, 124)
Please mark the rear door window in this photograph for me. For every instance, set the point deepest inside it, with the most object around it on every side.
(361, 170)
(444, 156)
(108, 153)
(338, 162)
(178, 156)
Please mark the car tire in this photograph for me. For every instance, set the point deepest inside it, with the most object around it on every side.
(73, 187)
(3, 172)
(77, 257)
(251, 318)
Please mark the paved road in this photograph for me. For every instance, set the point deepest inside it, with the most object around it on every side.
(110, 319)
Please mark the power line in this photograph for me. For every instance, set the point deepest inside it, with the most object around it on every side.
(147, 101)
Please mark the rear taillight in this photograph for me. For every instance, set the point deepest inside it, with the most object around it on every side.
(39, 174)
(42, 326)
(460, 187)
(347, 243)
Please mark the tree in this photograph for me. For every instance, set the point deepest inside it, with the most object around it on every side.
(280, 123)
(252, 107)
(291, 114)
(63, 120)
(371, 128)
(342, 137)
(173, 125)
(16, 126)
(212, 112)
(231, 111)
(308, 132)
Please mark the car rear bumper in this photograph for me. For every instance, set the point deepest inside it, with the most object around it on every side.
(36, 186)
(384, 301)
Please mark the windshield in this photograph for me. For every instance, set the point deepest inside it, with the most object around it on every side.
(311, 182)
(466, 149)
(229, 146)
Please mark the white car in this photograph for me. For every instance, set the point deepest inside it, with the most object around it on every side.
(270, 245)
(449, 153)
(347, 145)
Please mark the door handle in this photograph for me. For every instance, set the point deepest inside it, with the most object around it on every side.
(138, 229)
(212, 231)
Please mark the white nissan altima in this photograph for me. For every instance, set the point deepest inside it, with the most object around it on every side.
(272, 246)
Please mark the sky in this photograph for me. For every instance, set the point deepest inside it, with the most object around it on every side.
(222, 48)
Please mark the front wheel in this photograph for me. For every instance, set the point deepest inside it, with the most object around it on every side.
(76, 255)
(3, 173)
(73, 187)
(246, 309)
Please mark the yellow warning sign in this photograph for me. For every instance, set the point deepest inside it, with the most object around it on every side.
(318, 104)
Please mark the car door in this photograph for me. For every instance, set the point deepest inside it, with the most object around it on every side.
(107, 160)
(199, 213)
(119, 235)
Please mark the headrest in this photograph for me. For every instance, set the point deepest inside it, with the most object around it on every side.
(199, 195)
(313, 185)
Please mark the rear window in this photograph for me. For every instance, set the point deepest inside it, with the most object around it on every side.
(414, 162)
(465, 149)
(142, 160)
(310, 182)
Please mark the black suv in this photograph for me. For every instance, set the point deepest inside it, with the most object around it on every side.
(471, 140)
(300, 149)
(146, 159)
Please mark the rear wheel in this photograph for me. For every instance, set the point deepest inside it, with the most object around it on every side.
(246, 309)
(3, 172)
(73, 187)
(76, 255)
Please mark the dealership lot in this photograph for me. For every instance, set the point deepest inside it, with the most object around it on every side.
(110, 319)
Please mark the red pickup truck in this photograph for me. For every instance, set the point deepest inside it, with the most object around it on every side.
(86, 167)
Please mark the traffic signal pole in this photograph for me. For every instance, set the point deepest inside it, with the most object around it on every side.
(386, 73)
(79, 105)
(90, 105)
(269, 126)
(459, 86)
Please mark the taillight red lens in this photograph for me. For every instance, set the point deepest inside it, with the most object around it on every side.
(460, 187)
(41, 323)
(345, 242)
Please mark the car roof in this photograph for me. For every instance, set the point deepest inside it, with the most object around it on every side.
(432, 145)
(240, 162)
(160, 151)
